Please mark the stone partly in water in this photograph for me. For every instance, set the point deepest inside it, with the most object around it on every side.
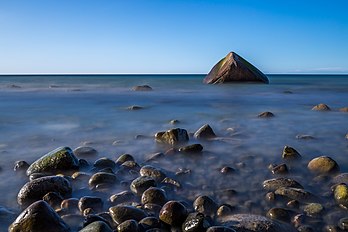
(341, 195)
(220, 229)
(97, 226)
(39, 217)
(279, 214)
(191, 149)
(205, 132)
(102, 178)
(276, 183)
(85, 152)
(255, 223)
(295, 194)
(154, 195)
(173, 136)
(36, 189)
(54, 162)
(344, 109)
(128, 226)
(205, 205)
(290, 153)
(153, 172)
(173, 213)
(233, 68)
(313, 209)
(123, 213)
(142, 183)
(266, 114)
(321, 107)
(142, 88)
(323, 165)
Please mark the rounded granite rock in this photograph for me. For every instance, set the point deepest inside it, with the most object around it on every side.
(39, 217)
(323, 165)
(59, 160)
(36, 189)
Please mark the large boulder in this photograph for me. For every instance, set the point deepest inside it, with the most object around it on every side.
(233, 68)
(39, 217)
(59, 160)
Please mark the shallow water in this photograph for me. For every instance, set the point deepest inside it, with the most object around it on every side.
(41, 113)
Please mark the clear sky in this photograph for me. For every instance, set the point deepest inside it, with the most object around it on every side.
(176, 36)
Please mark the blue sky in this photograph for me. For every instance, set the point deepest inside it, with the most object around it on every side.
(177, 36)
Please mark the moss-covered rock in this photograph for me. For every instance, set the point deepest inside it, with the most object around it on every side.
(59, 160)
(39, 217)
(341, 194)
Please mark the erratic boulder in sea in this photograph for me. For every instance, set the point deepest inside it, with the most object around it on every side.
(290, 153)
(39, 217)
(60, 159)
(205, 132)
(255, 223)
(321, 107)
(36, 189)
(233, 68)
(323, 165)
(173, 136)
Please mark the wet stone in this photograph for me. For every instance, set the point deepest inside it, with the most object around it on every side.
(290, 153)
(95, 203)
(149, 223)
(205, 132)
(205, 205)
(174, 121)
(134, 107)
(128, 226)
(122, 197)
(295, 194)
(36, 189)
(142, 88)
(270, 197)
(20, 165)
(305, 228)
(152, 209)
(130, 165)
(304, 137)
(321, 107)
(195, 222)
(39, 217)
(59, 160)
(313, 209)
(227, 170)
(266, 115)
(173, 136)
(123, 158)
(154, 156)
(155, 196)
(323, 165)
(224, 210)
(85, 152)
(276, 183)
(140, 184)
(341, 194)
(343, 223)
(97, 226)
(53, 199)
(123, 213)
(280, 169)
(194, 148)
(293, 204)
(279, 214)
(153, 172)
(173, 213)
(104, 163)
(171, 182)
(102, 178)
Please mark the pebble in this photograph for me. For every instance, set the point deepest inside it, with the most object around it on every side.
(204, 132)
(121, 213)
(279, 214)
(341, 194)
(295, 194)
(280, 169)
(321, 107)
(313, 209)
(173, 213)
(148, 170)
(323, 165)
(104, 163)
(142, 183)
(122, 197)
(128, 226)
(53, 199)
(149, 223)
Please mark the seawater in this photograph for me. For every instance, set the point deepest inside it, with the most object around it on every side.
(41, 113)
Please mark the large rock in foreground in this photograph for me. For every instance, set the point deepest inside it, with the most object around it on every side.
(233, 68)
(39, 217)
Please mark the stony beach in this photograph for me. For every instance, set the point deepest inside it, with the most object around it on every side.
(182, 158)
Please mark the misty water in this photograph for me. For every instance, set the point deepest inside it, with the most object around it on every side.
(41, 113)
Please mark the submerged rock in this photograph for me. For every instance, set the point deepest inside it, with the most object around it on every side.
(39, 217)
(58, 160)
(193, 148)
(321, 107)
(173, 136)
(205, 132)
(233, 68)
(323, 165)
(36, 189)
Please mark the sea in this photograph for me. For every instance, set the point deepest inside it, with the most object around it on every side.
(39, 113)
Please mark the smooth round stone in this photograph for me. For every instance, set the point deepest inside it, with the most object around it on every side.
(295, 194)
(121, 213)
(173, 213)
(102, 178)
(321, 107)
(39, 217)
(85, 152)
(153, 172)
(220, 229)
(276, 183)
(59, 160)
(149, 223)
(140, 184)
(173, 136)
(205, 205)
(123, 158)
(313, 209)
(266, 114)
(195, 222)
(279, 214)
(104, 163)
(97, 226)
(20, 165)
(128, 226)
(122, 197)
(290, 153)
(53, 199)
(142, 88)
(280, 169)
(323, 165)
(36, 189)
(154, 196)
(95, 203)
(194, 148)
(255, 223)
(204, 132)
(70, 205)
(341, 194)
(343, 223)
